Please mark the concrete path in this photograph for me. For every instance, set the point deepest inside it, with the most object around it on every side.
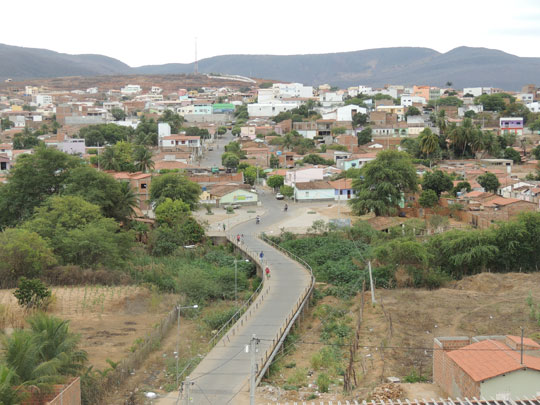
(223, 375)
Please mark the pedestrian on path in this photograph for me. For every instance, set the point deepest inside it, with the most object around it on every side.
(238, 239)
(224, 227)
(267, 271)
(261, 255)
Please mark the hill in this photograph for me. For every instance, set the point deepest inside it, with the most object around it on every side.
(23, 63)
(462, 66)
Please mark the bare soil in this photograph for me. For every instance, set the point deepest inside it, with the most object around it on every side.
(404, 322)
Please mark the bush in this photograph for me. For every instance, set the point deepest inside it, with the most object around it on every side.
(323, 382)
(414, 377)
(298, 378)
(31, 293)
(217, 318)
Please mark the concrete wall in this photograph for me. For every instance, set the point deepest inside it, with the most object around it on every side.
(239, 197)
(313, 195)
(517, 384)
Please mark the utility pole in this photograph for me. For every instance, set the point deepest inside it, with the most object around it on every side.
(252, 349)
(371, 283)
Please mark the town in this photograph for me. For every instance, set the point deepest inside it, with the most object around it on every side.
(362, 243)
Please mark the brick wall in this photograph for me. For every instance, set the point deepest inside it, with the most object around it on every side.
(64, 394)
(446, 373)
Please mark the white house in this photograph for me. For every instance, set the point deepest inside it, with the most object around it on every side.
(330, 98)
(44, 99)
(164, 129)
(477, 91)
(270, 109)
(470, 107)
(314, 191)
(302, 175)
(131, 89)
(408, 100)
(533, 107)
(174, 141)
(73, 146)
(344, 113)
(293, 90)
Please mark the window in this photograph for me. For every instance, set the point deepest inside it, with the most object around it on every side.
(143, 186)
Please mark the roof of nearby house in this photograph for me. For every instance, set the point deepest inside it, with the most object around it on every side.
(314, 185)
(169, 164)
(477, 194)
(221, 190)
(489, 358)
(502, 201)
(341, 184)
(181, 138)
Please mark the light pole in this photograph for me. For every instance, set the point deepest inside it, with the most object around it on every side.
(235, 282)
(178, 309)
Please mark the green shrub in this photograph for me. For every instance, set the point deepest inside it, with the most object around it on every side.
(298, 378)
(323, 382)
(31, 293)
(217, 318)
(414, 377)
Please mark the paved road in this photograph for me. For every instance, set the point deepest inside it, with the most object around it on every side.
(224, 372)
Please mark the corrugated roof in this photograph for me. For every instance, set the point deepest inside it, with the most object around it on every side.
(314, 185)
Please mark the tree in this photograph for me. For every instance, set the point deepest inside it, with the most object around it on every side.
(9, 394)
(449, 101)
(174, 120)
(314, 159)
(469, 114)
(489, 182)
(287, 191)
(108, 159)
(429, 142)
(411, 111)
(222, 131)
(251, 173)
(31, 293)
(236, 131)
(536, 152)
(364, 136)
(230, 160)
(359, 119)
(166, 239)
(126, 203)
(338, 130)
(23, 253)
(171, 211)
(511, 153)
(493, 102)
(437, 181)
(462, 185)
(274, 161)
(428, 198)
(142, 157)
(32, 180)
(118, 114)
(535, 125)
(25, 140)
(78, 233)
(384, 182)
(58, 342)
(6, 124)
(175, 186)
(275, 181)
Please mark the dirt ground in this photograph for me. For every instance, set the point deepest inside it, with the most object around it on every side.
(405, 321)
(109, 319)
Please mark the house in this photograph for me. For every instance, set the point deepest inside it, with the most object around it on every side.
(313, 191)
(269, 109)
(140, 183)
(177, 141)
(5, 163)
(355, 161)
(498, 367)
(511, 125)
(130, 89)
(343, 189)
(73, 146)
(303, 174)
(231, 193)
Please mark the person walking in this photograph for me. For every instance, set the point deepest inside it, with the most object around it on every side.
(223, 227)
(238, 239)
(267, 271)
(261, 255)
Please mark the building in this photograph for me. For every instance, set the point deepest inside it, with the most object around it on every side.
(130, 89)
(269, 109)
(228, 194)
(177, 141)
(408, 101)
(355, 161)
(476, 91)
(487, 366)
(44, 99)
(140, 183)
(303, 174)
(223, 108)
(314, 191)
(73, 146)
(511, 125)
(343, 189)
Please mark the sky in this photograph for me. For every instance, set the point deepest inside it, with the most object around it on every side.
(163, 31)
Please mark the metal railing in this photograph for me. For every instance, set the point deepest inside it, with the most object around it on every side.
(270, 353)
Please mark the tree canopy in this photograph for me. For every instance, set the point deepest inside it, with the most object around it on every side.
(489, 182)
(175, 186)
(384, 182)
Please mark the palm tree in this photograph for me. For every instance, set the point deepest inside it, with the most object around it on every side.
(108, 159)
(57, 342)
(126, 203)
(428, 142)
(143, 159)
(8, 393)
(22, 354)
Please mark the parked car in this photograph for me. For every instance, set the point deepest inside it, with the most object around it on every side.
(279, 196)
(233, 206)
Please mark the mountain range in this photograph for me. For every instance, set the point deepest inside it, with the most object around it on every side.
(463, 66)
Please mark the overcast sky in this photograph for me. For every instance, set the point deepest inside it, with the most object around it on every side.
(140, 32)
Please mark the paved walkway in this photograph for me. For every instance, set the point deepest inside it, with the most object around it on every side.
(224, 372)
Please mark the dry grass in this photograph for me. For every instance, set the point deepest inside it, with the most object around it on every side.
(483, 304)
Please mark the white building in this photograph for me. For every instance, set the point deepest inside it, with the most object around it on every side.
(44, 99)
(269, 109)
(477, 91)
(293, 90)
(156, 90)
(92, 90)
(408, 100)
(131, 89)
(164, 129)
(534, 107)
(525, 97)
(109, 105)
(471, 107)
(344, 113)
(73, 146)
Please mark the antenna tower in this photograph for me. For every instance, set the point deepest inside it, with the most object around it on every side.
(196, 61)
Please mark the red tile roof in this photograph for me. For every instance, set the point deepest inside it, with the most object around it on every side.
(489, 358)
